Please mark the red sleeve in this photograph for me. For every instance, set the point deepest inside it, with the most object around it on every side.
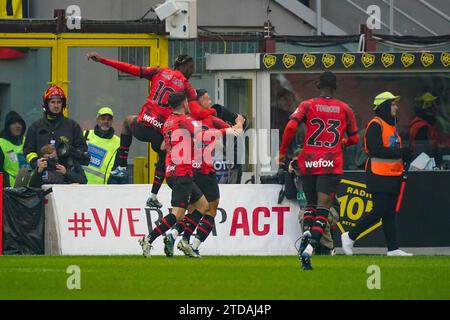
(299, 114)
(149, 72)
(122, 66)
(352, 127)
(189, 125)
(219, 123)
(196, 131)
(353, 139)
(207, 135)
(288, 135)
(190, 91)
(197, 112)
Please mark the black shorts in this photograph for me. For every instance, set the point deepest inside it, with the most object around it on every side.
(208, 185)
(184, 191)
(147, 134)
(323, 183)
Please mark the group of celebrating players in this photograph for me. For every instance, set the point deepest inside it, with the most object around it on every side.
(179, 121)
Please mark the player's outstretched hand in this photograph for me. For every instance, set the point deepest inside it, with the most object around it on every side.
(233, 131)
(238, 129)
(240, 120)
(94, 56)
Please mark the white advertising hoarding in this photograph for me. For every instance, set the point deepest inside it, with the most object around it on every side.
(109, 220)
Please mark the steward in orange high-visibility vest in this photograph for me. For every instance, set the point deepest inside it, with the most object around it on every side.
(390, 138)
(384, 169)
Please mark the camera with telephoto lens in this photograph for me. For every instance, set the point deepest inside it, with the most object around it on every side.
(277, 178)
(67, 154)
(51, 163)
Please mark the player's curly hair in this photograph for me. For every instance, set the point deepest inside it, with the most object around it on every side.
(200, 93)
(182, 59)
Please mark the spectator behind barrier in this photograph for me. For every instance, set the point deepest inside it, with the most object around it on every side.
(12, 140)
(424, 133)
(102, 146)
(51, 168)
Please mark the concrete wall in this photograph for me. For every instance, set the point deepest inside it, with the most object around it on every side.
(240, 15)
(93, 85)
(229, 13)
(250, 13)
(23, 83)
(98, 9)
(349, 18)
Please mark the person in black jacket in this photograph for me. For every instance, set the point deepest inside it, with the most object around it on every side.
(226, 172)
(384, 171)
(53, 128)
(52, 170)
(12, 139)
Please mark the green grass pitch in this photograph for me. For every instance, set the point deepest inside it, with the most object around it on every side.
(228, 278)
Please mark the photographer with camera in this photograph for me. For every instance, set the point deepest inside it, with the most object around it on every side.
(284, 176)
(55, 129)
(51, 168)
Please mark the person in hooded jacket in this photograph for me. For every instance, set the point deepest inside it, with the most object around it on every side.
(384, 171)
(53, 128)
(12, 140)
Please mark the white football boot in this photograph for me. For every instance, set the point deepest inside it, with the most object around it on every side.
(347, 244)
(398, 253)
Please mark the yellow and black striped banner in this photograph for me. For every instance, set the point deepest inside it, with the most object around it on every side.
(366, 61)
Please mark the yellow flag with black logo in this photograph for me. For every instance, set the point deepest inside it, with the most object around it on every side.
(11, 9)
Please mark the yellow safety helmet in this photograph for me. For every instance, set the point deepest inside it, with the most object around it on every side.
(426, 97)
(382, 97)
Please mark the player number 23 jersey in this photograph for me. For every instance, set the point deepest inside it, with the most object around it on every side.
(326, 120)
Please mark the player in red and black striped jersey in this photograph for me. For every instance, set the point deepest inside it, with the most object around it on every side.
(320, 162)
(180, 133)
(204, 178)
(147, 126)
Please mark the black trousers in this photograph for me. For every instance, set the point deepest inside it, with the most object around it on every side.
(383, 208)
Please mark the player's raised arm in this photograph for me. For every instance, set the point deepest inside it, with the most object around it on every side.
(291, 128)
(119, 65)
(197, 112)
(288, 136)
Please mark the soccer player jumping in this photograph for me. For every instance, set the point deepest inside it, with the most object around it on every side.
(148, 125)
(321, 159)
